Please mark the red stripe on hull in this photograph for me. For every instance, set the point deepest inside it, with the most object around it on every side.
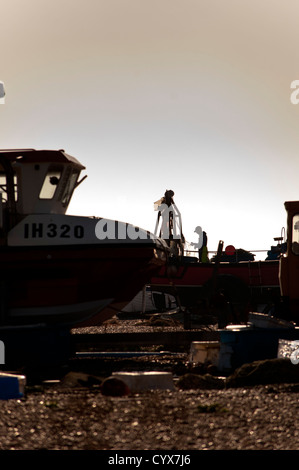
(196, 274)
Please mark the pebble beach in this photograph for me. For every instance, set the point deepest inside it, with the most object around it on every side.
(247, 411)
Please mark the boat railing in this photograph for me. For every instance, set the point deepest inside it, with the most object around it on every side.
(211, 253)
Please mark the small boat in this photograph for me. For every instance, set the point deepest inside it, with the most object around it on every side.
(59, 269)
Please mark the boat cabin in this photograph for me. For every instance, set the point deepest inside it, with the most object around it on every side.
(35, 182)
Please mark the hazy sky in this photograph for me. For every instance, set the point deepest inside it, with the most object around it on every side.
(189, 95)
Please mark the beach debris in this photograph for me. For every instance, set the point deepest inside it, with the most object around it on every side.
(80, 379)
(268, 371)
(164, 321)
(204, 352)
(115, 387)
(192, 381)
(110, 322)
(149, 380)
(211, 408)
(11, 386)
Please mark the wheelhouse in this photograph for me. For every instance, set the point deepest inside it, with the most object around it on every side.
(36, 182)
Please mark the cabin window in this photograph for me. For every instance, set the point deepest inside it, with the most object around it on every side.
(69, 187)
(3, 187)
(50, 183)
(295, 235)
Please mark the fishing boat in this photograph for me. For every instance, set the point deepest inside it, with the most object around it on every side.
(245, 285)
(59, 269)
(228, 285)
